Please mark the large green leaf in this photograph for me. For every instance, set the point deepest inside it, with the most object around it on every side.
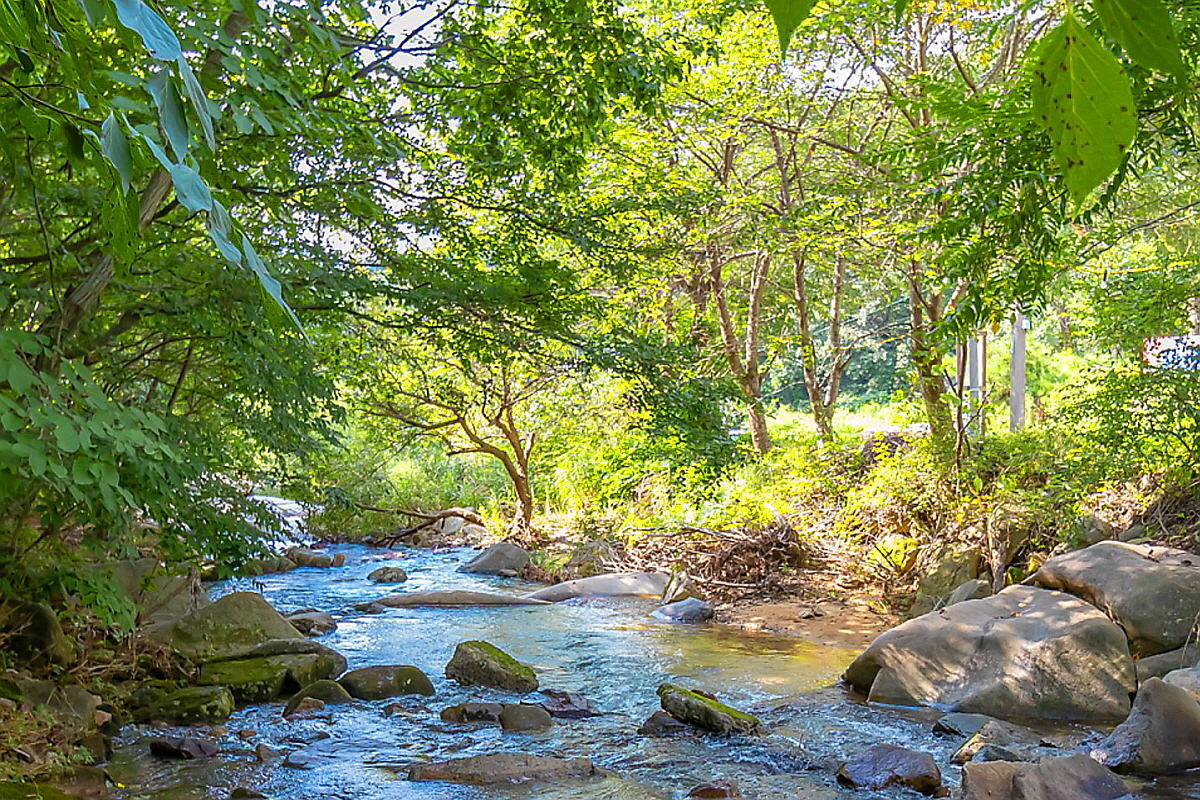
(220, 230)
(160, 41)
(190, 189)
(170, 112)
(1082, 98)
(199, 101)
(1145, 30)
(788, 14)
(269, 285)
(115, 148)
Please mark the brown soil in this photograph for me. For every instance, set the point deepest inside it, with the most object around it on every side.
(836, 623)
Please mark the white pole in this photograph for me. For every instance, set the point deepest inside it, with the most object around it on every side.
(1016, 390)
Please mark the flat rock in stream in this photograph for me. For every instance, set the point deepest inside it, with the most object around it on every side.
(502, 768)
(454, 598)
(1072, 778)
(641, 584)
(886, 765)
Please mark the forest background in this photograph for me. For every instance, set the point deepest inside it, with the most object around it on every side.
(606, 269)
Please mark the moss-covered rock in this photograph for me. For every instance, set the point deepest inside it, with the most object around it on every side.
(237, 621)
(256, 680)
(325, 691)
(32, 633)
(330, 665)
(481, 664)
(193, 705)
(377, 683)
(704, 712)
(13, 790)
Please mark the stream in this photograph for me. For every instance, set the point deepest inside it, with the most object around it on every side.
(607, 649)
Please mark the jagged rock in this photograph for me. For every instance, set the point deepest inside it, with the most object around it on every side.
(690, 611)
(482, 664)
(660, 723)
(704, 712)
(388, 575)
(1071, 778)
(1159, 665)
(645, 584)
(313, 623)
(1160, 736)
(680, 587)
(959, 723)
(455, 598)
(32, 634)
(326, 691)
(381, 682)
(186, 747)
(472, 712)
(237, 621)
(71, 706)
(502, 768)
(719, 788)
(1025, 652)
(566, 705)
(886, 765)
(1153, 593)
(193, 705)
(500, 556)
(518, 717)
(997, 734)
(307, 557)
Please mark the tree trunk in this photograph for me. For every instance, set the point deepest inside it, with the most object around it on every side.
(760, 437)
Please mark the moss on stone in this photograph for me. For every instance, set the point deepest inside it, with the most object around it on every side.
(704, 712)
(251, 680)
(13, 790)
(193, 705)
(326, 691)
(483, 664)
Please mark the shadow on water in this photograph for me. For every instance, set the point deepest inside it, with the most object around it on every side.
(607, 649)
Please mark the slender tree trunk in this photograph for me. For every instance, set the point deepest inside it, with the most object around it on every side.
(927, 359)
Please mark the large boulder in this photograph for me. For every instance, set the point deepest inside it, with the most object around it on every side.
(262, 678)
(482, 664)
(194, 705)
(32, 634)
(236, 621)
(704, 712)
(1186, 679)
(500, 768)
(455, 598)
(331, 664)
(498, 557)
(381, 682)
(886, 765)
(1072, 778)
(1024, 652)
(1151, 592)
(1160, 736)
(306, 557)
(644, 584)
(520, 717)
(161, 598)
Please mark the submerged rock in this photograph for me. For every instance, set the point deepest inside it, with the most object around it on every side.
(472, 712)
(482, 664)
(704, 712)
(454, 599)
(1160, 736)
(186, 747)
(1071, 778)
(885, 765)
(1153, 593)
(1024, 652)
(235, 622)
(690, 611)
(326, 691)
(644, 584)
(388, 575)
(502, 768)
(497, 558)
(660, 723)
(193, 705)
(518, 717)
(567, 705)
(379, 683)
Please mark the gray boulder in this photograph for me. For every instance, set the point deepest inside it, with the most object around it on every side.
(1023, 652)
(388, 575)
(502, 768)
(1072, 778)
(1186, 679)
(483, 664)
(645, 584)
(1160, 736)
(307, 557)
(194, 705)
(454, 599)
(236, 621)
(885, 765)
(326, 691)
(332, 662)
(378, 683)
(690, 611)
(313, 623)
(497, 558)
(1151, 592)
(974, 589)
(951, 565)
(1018, 744)
(518, 717)
(704, 712)
(1157, 666)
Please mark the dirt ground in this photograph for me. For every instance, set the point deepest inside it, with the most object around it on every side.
(836, 623)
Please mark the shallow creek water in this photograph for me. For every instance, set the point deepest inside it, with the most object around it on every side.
(608, 649)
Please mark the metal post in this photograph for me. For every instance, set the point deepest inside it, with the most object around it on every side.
(974, 387)
(1016, 390)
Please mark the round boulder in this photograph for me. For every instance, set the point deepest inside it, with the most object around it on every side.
(378, 683)
(886, 765)
(388, 575)
(497, 558)
(483, 664)
(523, 717)
(306, 557)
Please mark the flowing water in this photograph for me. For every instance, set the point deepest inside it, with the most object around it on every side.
(608, 649)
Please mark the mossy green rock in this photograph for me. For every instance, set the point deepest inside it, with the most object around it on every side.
(325, 691)
(256, 680)
(377, 683)
(482, 664)
(704, 712)
(193, 705)
(237, 621)
(12, 790)
(32, 633)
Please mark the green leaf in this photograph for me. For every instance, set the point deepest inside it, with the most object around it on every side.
(160, 41)
(788, 14)
(1082, 98)
(268, 283)
(220, 229)
(199, 101)
(190, 189)
(115, 148)
(170, 112)
(20, 377)
(67, 436)
(1144, 28)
